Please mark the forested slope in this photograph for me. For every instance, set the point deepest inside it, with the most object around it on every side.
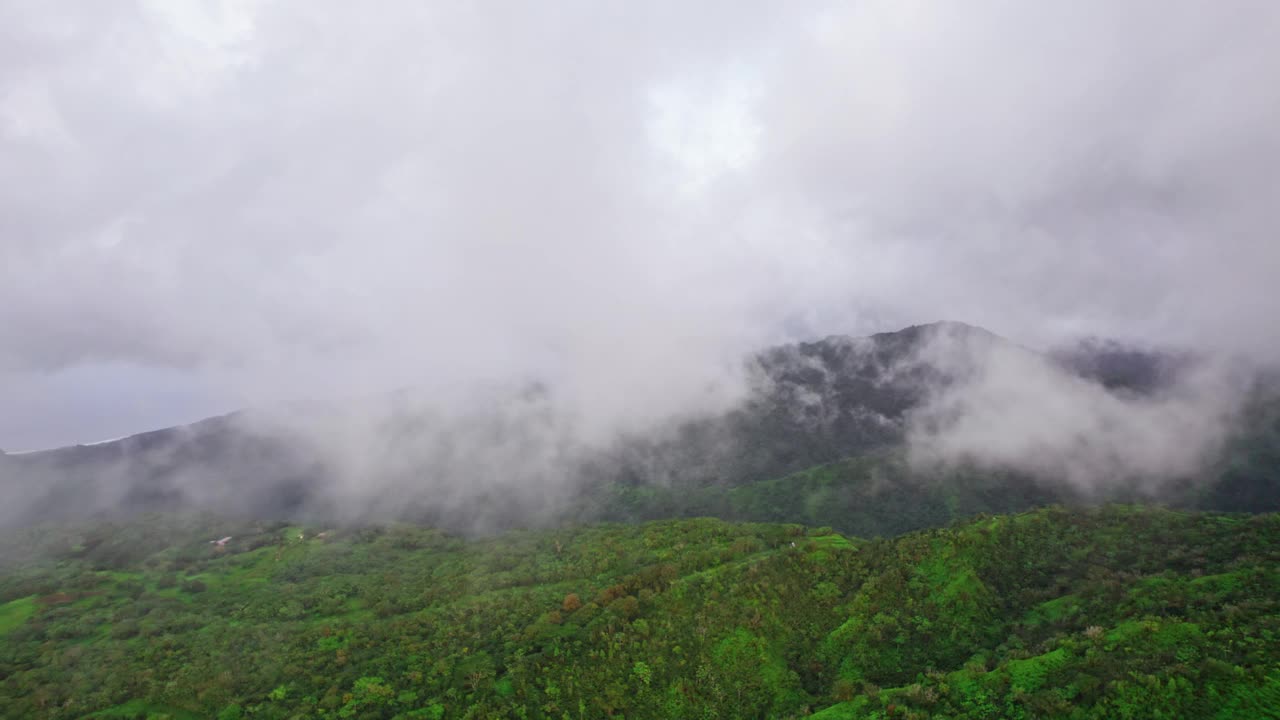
(876, 494)
(819, 436)
(1111, 612)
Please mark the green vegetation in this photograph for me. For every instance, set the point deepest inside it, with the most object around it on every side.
(1116, 612)
(16, 612)
(873, 495)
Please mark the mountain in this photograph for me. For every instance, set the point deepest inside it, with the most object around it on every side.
(807, 403)
(211, 464)
(1122, 367)
(791, 556)
(817, 437)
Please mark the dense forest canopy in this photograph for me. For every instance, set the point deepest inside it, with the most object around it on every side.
(1119, 611)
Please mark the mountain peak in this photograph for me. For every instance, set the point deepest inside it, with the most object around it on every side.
(941, 327)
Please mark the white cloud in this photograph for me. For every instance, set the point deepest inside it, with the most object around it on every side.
(277, 197)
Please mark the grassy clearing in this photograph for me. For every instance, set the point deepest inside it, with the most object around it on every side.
(16, 612)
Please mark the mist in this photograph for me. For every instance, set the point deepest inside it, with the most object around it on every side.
(1010, 408)
(400, 219)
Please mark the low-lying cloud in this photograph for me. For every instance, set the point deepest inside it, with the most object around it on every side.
(1007, 407)
(208, 206)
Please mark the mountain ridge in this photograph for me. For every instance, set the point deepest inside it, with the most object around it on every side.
(809, 404)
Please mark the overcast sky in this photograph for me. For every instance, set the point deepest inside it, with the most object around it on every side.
(205, 205)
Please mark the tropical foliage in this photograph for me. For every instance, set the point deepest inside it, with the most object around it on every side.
(1113, 612)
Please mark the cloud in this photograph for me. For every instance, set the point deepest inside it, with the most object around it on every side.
(1097, 168)
(276, 200)
(1006, 407)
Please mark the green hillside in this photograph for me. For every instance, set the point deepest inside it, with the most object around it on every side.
(872, 495)
(1113, 612)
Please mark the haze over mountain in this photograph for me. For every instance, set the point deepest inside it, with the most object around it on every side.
(210, 206)
(1090, 424)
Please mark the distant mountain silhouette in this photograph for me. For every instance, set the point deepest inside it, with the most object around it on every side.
(809, 404)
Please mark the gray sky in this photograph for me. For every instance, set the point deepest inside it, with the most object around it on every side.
(205, 205)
